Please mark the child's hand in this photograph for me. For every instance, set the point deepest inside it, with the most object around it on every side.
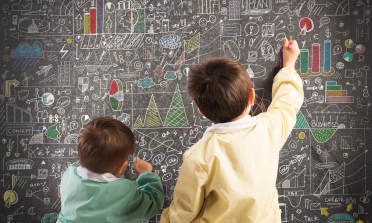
(141, 166)
(290, 55)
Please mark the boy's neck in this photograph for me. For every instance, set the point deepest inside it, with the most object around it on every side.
(243, 115)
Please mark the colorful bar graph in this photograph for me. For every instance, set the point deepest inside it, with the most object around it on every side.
(315, 58)
(99, 16)
(335, 94)
(327, 56)
(331, 82)
(86, 23)
(304, 60)
(92, 15)
(334, 88)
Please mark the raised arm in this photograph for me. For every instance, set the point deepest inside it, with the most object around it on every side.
(287, 95)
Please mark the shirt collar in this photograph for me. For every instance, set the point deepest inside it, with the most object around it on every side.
(87, 174)
(242, 123)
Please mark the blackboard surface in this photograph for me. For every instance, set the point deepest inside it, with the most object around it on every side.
(66, 62)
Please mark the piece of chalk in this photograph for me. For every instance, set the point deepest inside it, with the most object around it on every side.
(290, 46)
(290, 38)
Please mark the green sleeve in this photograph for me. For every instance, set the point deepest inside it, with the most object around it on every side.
(147, 198)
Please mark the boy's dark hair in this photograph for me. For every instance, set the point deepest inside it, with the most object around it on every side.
(104, 144)
(220, 88)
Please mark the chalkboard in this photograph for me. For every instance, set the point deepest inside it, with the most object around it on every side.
(66, 62)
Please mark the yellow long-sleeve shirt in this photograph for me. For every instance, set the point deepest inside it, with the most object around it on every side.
(230, 174)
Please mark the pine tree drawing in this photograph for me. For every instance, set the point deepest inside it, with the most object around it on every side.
(152, 117)
(138, 123)
(176, 114)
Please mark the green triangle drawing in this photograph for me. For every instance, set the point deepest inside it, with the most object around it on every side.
(152, 117)
(138, 123)
(176, 114)
(322, 135)
(301, 122)
(7, 204)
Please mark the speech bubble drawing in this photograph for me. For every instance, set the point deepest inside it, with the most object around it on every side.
(337, 49)
(324, 21)
(171, 160)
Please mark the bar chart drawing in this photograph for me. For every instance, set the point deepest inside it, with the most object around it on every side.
(293, 180)
(316, 69)
(347, 142)
(335, 94)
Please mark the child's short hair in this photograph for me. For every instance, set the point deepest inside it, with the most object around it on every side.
(104, 144)
(220, 88)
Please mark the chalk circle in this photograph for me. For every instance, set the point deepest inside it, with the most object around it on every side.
(212, 18)
(167, 177)
(4, 21)
(203, 22)
(145, 154)
(284, 169)
(138, 65)
(110, 7)
(340, 65)
(231, 50)
(148, 40)
(47, 99)
(251, 29)
(171, 160)
(61, 111)
(348, 57)
(45, 189)
(301, 135)
(158, 159)
(349, 43)
(337, 49)
(306, 24)
(360, 48)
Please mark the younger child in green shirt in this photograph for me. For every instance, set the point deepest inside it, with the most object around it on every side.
(92, 192)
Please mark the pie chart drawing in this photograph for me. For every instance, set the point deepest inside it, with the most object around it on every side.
(360, 48)
(116, 95)
(306, 25)
(349, 43)
(10, 198)
(348, 57)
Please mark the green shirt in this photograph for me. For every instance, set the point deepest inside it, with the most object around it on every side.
(122, 200)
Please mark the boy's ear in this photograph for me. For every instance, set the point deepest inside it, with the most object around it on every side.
(121, 166)
(200, 112)
(252, 96)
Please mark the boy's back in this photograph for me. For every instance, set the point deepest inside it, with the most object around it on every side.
(120, 200)
(93, 191)
(230, 174)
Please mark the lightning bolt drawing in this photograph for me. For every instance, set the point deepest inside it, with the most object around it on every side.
(63, 51)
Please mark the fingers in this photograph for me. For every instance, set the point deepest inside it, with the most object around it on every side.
(136, 159)
(294, 43)
(285, 42)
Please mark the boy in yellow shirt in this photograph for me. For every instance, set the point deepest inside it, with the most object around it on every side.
(230, 174)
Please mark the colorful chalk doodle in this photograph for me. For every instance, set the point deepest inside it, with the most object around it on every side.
(66, 62)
